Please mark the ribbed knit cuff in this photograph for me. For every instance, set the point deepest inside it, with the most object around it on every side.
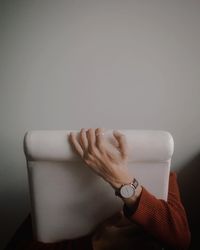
(145, 209)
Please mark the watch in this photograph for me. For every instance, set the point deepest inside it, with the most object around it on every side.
(127, 190)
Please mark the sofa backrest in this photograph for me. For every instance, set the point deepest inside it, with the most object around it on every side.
(67, 199)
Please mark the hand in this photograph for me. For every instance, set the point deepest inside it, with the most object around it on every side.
(95, 151)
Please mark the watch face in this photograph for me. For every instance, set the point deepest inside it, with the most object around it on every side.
(127, 191)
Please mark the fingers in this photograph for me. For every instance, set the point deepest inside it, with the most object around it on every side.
(99, 138)
(88, 140)
(76, 144)
(83, 139)
(122, 143)
(91, 139)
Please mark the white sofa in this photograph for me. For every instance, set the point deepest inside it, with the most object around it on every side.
(67, 199)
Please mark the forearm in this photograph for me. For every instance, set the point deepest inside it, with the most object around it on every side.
(163, 220)
(166, 221)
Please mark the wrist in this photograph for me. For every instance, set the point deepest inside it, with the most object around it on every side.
(116, 183)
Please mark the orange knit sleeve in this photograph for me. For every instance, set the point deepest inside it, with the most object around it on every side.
(165, 220)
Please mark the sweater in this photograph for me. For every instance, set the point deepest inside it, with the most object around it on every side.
(154, 224)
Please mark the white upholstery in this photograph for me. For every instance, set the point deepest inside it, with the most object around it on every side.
(67, 199)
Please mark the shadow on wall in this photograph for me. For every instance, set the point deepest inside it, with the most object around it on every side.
(189, 182)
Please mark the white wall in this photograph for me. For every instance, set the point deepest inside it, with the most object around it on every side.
(87, 63)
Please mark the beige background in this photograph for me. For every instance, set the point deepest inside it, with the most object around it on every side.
(131, 64)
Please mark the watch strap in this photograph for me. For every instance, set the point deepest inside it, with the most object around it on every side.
(135, 183)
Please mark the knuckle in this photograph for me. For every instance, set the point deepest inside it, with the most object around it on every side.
(99, 130)
(82, 130)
